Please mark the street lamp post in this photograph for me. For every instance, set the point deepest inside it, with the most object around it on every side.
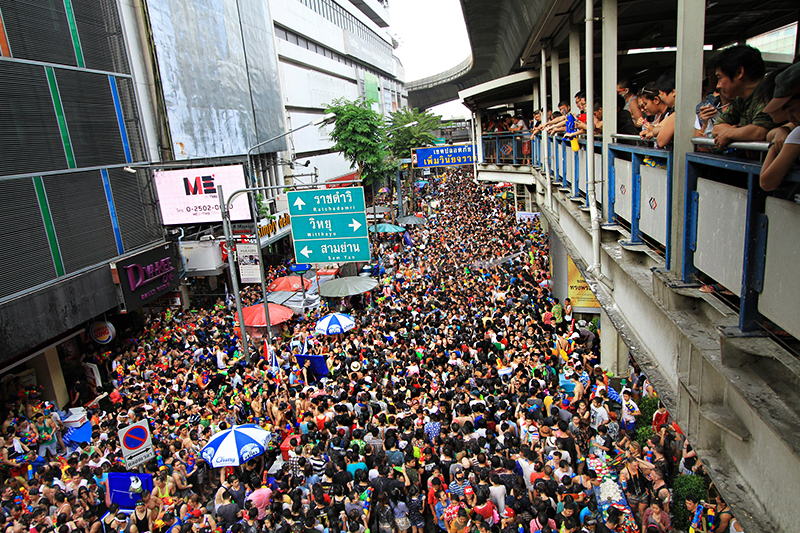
(326, 119)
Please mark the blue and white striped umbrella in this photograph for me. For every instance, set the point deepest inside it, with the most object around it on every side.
(335, 323)
(235, 446)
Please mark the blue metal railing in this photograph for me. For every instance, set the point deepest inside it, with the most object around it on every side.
(641, 156)
(509, 148)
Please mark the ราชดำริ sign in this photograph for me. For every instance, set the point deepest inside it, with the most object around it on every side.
(136, 443)
(444, 156)
(329, 225)
(319, 201)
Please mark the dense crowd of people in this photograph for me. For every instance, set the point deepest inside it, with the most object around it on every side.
(467, 399)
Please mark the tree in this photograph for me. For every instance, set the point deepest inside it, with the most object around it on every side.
(402, 140)
(359, 134)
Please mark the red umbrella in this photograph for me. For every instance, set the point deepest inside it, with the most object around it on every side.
(289, 283)
(254, 315)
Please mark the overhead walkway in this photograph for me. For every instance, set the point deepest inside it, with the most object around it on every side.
(648, 228)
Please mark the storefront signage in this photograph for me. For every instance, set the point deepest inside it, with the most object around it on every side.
(102, 332)
(149, 275)
(268, 228)
(189, 196)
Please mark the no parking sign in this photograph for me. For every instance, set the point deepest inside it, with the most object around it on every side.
(136, 443)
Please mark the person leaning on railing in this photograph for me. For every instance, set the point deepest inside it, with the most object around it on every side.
(785, 105)
(740, 77)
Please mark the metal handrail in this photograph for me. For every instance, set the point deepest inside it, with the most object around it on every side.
(626, 137)
(756, 146)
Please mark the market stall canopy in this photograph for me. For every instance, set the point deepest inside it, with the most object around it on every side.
(412, 220)
(289, 283)
(347, 286)
(254, 315)
(387, 228)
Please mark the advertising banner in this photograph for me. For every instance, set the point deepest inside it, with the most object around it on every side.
(149, 275)
(579, 291)
(249, 267)
(443, 156)
(189, 196)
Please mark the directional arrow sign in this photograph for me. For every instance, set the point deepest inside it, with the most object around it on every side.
(333, 250)
(329, 226)
(322, 201)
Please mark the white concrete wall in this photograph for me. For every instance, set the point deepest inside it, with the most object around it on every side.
(735, 398)
(139, 60)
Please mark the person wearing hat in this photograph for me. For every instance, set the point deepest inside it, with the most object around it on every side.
(785, 105)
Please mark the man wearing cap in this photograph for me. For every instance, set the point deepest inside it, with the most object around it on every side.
(785, 105)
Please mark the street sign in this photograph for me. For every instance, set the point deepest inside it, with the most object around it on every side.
(320, 201)
(136, 443)
(329, 225)
(332, 250)
(300, 267)
(336, 226)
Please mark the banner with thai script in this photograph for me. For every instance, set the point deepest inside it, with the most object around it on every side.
(443, 156)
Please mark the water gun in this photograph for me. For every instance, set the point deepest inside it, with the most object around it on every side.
(571, 129)
(159, 459)
(367, 498)
(190, 463)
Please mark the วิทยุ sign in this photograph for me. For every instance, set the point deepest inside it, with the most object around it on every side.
(443, 156)
(189, 196)
(329, 225)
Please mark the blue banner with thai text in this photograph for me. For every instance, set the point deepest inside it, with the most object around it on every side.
(443, 156)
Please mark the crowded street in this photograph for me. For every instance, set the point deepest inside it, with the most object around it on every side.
(465, 398)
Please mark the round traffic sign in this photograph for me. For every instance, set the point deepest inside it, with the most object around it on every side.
(134, 438)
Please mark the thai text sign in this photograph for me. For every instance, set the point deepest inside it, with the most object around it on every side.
(443, 156)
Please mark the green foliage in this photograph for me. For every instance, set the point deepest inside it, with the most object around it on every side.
(643, 432)
(263, 208)
(360, 135)
(683, 487)
(647, 406)
(402, 140)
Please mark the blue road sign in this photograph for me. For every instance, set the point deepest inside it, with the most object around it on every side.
(336, 226)
(300, 267)
(321, 201)
(329, 225)
(443, 156)
(333, 250)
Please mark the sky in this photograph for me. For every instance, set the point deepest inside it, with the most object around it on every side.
(433, 38)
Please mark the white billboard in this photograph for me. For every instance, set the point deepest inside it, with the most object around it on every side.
(189, 196)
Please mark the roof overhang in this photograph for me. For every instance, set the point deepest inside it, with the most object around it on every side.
(508, 89)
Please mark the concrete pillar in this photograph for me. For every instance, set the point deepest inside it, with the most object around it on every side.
(609, 96)
(555, 82)
(548, 193)
(688, 85)
(537, 101)
(574, 64)
(613, 350)
(50, 376)
(477, 120)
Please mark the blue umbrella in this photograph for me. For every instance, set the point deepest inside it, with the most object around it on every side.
(235, 446)
(335, 323)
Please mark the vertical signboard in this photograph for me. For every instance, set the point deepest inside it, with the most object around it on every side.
(249, 266)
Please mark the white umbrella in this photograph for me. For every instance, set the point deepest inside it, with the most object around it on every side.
(235, 446)
(335, 323)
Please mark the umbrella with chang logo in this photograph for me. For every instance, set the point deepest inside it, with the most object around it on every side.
(235, 446)
(334, 324)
